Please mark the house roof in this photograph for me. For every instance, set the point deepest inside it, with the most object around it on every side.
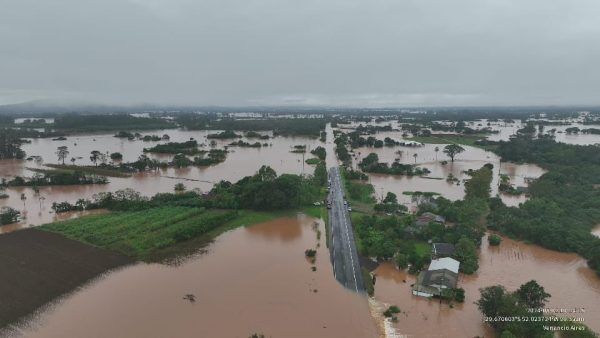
(439, 277)
(447, 263)
(443, 249)
(433, 217)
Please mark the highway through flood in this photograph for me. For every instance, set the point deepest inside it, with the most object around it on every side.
(344, 257)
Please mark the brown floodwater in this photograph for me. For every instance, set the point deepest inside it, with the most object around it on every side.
(240, 162)
(472, 158)
(253, 279)
(565, 276)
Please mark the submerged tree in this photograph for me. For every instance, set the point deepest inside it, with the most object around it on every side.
(62, 152)
(452, 150)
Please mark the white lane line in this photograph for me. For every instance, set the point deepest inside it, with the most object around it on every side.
(338, 180)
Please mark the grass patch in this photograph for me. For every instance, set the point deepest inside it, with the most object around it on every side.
(143, 234)
(313, 161)
(86, 169)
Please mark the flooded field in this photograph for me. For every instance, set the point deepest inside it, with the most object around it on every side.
(565, 276)
(249, 280)
(240, 162)
(427, 157)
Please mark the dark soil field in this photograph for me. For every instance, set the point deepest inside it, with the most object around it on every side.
(38, 266)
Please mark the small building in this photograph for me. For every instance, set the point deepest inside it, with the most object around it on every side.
(441, 274)
(441, 250)
(429, 217)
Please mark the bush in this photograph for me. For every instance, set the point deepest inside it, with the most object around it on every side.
(494, 240)
(310, 253)
(391, 311)
(402, 261)
(116, 156)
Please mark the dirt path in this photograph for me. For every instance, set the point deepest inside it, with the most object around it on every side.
(37, 266)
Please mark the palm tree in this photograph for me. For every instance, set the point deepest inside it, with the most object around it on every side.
(415, 156)
(436, 152)
(23, 198)
(62, 152)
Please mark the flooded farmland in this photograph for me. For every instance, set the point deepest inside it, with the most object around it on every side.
(250, 280)
(240, 162)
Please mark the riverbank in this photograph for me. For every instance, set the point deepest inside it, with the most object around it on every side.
(39, 266)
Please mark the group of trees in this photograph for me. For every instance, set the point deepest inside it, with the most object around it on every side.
(390, 205)
(187, 148)
(564, 203)
(526, 305)
(8, 215)
(319, 152)
(56, 177)
(224, 135)
(10, 144)
(371, 164)
(262, 191)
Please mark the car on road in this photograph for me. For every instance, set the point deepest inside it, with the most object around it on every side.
(345, 202)
(349, 208)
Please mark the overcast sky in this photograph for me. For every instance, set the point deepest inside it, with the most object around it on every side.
(368, 53)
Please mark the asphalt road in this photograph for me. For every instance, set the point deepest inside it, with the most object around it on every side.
(344, 256)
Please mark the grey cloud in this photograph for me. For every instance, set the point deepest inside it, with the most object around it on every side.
(330, 52)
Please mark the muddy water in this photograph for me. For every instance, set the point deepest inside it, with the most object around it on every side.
(240, 162)
(253, 279)
(565, 276)
(427, 157)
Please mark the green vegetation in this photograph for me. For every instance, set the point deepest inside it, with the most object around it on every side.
(186, 148)
(310, 253)
(10, 144)
(265, 191)
(397, 236)
(245, 144)
(391, 311)
(390, 205)
(452, 150)
(495, 302)
(224, 135)
(102, 170)
(79, 122)
(8, 215)
(466, 253)
(368, 281)
(359, 192)
(116, 156)
(140, 234)
(319, 152)
(371, 164)
(253, 134)
(44, 177)
(564, 203)
(313, 161)
(494, 240)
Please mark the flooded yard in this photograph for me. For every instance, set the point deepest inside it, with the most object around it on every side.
(565, 276)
